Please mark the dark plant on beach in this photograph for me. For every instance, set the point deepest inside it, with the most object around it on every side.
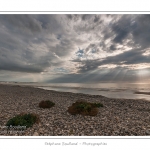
(97, 104)
(26, 120)
(84, 108)
(46, 104)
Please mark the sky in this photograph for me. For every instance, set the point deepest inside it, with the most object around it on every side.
(75, 48)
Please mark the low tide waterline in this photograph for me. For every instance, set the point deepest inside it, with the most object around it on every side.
(110, 90)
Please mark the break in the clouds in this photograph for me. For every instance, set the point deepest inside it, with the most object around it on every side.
(75, 48)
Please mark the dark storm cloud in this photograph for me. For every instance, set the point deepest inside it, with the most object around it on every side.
(122, 28)
(85, 16)
(69, 16)
(79, 43)
(112, 47)
(136, 25)
(91, 46)
(96, 19)
(25, 23)
(129, 58)
(20, 42)
(135, 29)
(19, 68)
(141, 33)
(88, 65)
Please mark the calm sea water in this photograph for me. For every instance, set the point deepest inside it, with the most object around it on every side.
(111, 90)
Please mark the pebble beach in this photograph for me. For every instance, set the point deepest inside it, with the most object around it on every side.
(118, 117)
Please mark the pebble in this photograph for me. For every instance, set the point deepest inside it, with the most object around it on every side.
(117, 117)
(147, 132)
(35, 134)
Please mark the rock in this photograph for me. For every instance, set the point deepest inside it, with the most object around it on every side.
(94, 132)
(116, 132)
(147, 132)
(35, 134)
(41, 130)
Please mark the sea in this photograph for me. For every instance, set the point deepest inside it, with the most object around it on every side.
(110, 90)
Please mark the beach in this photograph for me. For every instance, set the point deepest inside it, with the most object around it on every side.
(118, 117)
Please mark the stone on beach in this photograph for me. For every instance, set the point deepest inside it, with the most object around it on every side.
(117, 117)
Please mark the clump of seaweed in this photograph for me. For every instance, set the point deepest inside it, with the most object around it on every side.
(84, 108)
(46, 104)
(25, 120)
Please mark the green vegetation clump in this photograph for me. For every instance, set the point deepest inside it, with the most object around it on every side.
(84, 108)
(26, 120)
(98, 104)
(46, 104)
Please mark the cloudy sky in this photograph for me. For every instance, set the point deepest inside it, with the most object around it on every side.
(75, 48)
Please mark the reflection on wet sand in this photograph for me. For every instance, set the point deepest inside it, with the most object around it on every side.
(138, 92)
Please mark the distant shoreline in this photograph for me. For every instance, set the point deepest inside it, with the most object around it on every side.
(104, 90)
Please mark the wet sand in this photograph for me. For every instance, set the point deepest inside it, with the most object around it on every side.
(146, 93)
